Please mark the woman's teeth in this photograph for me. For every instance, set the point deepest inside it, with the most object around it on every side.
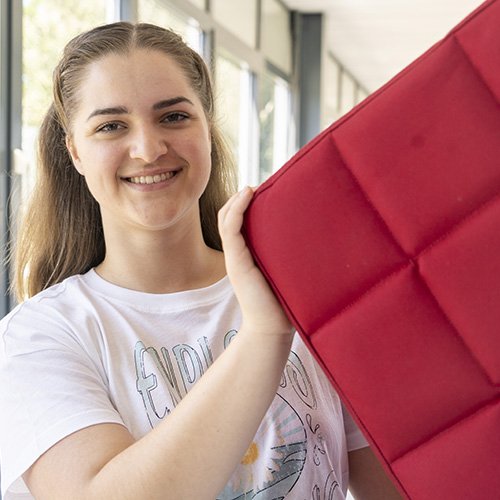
(151, 179)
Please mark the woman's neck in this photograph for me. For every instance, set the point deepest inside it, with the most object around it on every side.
(160, 261)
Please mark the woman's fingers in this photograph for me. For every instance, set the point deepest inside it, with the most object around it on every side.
(230, 223)
(231, 214)
(260, 308)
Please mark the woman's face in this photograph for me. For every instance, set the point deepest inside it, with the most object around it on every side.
(141, 139)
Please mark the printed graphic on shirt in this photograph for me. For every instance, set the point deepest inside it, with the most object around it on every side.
(271, 473)
(330, 490)
(176, 371)
(287, 439)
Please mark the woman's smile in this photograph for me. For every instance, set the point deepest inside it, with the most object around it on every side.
(152, 181)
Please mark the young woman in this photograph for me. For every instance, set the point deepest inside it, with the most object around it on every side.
(147, 364)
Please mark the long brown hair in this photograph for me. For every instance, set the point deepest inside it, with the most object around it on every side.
(61, 234)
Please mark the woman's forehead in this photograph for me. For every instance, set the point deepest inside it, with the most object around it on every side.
(146, 65)
(148, 75)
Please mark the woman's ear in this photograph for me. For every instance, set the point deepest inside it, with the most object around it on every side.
(74, 155)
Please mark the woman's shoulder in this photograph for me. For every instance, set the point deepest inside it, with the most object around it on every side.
(47, 311)
(56, 294)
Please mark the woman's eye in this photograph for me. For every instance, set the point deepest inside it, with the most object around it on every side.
(109, 127)
(175, 117)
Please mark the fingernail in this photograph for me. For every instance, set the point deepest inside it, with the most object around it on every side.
(245, 190)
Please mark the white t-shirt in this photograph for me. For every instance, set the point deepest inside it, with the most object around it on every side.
(85, 352)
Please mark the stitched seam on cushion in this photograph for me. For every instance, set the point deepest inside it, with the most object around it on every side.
(477, 212)
(472, 64)
(380, 283)
(449, 428)
(368, 199)
(409, 262)
(448, 234)
(483, 206)
(455, 329)
(362, 295)
(457, 334)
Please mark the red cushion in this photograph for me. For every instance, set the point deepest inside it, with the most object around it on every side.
(381, 238)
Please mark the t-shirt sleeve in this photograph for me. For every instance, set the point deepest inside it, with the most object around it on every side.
(49, 388)
(354, 437)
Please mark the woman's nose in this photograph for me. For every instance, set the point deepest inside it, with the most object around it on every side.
(148, 145)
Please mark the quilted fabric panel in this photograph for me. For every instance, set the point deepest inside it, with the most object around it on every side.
(441, 472)
(480, 44)
(381, 239)
(396, 145)
(463, 276)
(350, 217)
(396, 356)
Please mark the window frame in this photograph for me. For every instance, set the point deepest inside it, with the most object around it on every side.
(11, 124)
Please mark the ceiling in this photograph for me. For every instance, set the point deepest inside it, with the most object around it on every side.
(375, 39)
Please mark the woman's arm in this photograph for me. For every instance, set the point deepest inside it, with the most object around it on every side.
(194, 451)
(367, 478)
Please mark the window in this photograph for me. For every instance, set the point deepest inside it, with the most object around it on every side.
(276, 35)
(156, 12)
(348, 93)
(361, 95)
(5, 304)
(239, 17)
(201, 4)
(340, 91)
(331, 91)
(233, 83)
(274, 118)
(47, 26)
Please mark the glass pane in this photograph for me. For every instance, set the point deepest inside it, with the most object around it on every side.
(47, 26)
(331, 110)
(274, 119)
(237, 16)
(234, 95)
(276, 36)
(199, 3)
(347, 92)
(362, 95)
(156, 12)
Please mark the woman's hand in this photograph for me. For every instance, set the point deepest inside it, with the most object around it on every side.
(262, 313)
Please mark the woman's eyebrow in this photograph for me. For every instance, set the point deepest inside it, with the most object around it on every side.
(120, 110)
(171, 102)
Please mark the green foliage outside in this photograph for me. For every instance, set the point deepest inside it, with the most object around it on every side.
(47, 26)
